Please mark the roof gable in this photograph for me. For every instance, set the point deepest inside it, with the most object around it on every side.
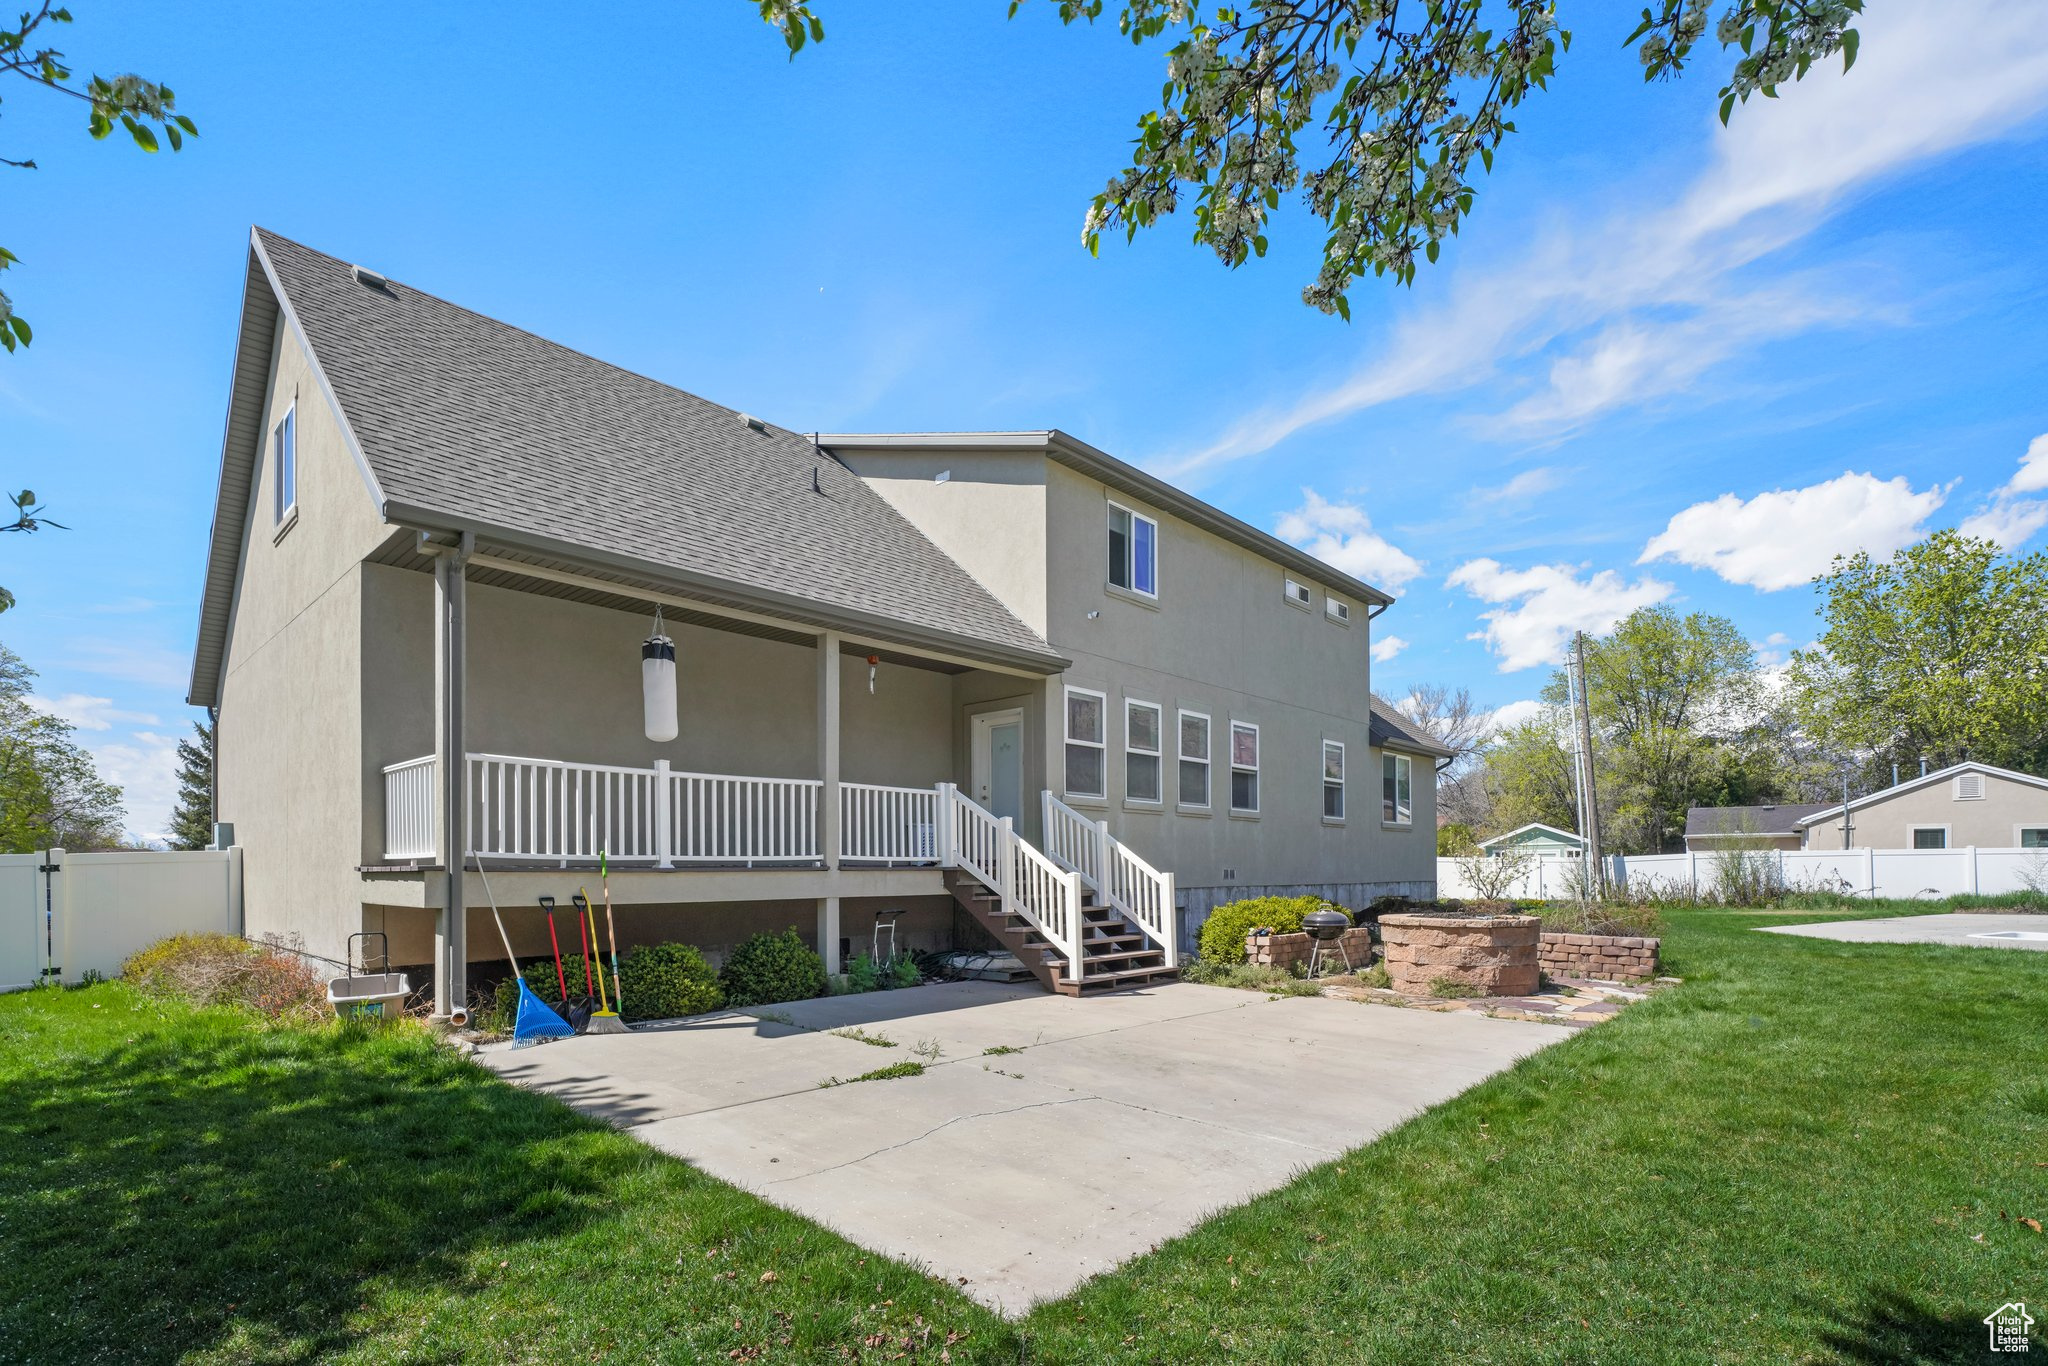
(1926, 780)
(461, 422)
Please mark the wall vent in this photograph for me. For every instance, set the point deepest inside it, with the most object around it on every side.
(1969, 787)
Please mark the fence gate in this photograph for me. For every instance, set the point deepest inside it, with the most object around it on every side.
(24, 942)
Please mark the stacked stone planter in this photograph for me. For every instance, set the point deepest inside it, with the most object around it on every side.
(1610, 957)
(1288, 950)
(1493, 955)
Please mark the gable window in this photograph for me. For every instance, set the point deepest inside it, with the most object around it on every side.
(1337, 611)
(1244, 767)
(1141, 751)
(1194, 759)
(284, 458)
(1333, 780)
(1930, 837)
(2033, 836)
(1133, 551)
(1298, 594)
(1086, 742)
(1396, 792)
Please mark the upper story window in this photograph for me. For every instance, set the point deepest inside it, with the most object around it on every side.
(1194, 760)
(1133, 551)
(1244, 767)
(1337, 611)
(1141, 751)
(1397, 777)
(284, 460)
(1298, 593)
(1333, 780)
(1087, 741)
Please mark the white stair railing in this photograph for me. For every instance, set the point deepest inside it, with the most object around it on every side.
(1029, 884)
(1136, 890)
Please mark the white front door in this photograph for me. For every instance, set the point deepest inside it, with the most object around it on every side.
(998, 771)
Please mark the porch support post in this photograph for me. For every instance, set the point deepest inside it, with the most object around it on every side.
(828, 933)
(451, 931)
(828, 748)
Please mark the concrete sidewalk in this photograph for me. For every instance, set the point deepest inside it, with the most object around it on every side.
(1967, 929)
(1124, 1120)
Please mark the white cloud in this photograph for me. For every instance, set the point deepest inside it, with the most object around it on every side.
(1527, 484)
(91, 713)
(1340, 535)
(1386, 647)
(1549, 602)
(1785, 537)
(1511, 714)
(1636, 307)
(149, 665)
(2007, 517)
(145, 766)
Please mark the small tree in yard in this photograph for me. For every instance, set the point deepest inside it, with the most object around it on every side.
(1495, 878)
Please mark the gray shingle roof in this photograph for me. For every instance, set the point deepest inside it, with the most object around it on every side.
(1389, 727)
(464, 418)
(1749, 820)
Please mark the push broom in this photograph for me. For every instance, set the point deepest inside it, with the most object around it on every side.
(603, 1020)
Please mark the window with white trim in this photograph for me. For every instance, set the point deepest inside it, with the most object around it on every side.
(1930, 837)
(1397, 777)
(1337, 611)
(1194, 760)
(1298, 594)
(1133, 551)
(1244, 767)
(1087, 742)
(1141, 751)
(1333, 780)
(284, 446)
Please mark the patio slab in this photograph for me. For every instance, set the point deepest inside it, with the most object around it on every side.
(1956, 927)
(1123, 1121)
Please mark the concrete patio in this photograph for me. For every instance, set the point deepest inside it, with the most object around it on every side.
(1123, 1120)
(1967, 930)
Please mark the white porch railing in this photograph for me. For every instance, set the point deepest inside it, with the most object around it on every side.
(888, 824)
(1134, 888)
(1030, 884)
(409, 791)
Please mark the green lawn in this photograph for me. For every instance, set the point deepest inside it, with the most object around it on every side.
(1812, 1151)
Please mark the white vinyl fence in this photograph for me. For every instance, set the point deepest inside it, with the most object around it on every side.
(1888, 874)
(63, 915)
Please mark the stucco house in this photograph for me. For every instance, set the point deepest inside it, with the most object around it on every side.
(1534, 838)
(998, 679)
(1964, 805)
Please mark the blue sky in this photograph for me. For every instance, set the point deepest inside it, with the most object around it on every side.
(1666, 362)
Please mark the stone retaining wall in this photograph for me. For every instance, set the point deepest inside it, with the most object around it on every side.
(1288, 950)
(1613, 957)
(1494, 955)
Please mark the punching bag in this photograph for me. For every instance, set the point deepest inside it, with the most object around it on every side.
(658, 685)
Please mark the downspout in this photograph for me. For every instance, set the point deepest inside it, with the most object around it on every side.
(451, 567)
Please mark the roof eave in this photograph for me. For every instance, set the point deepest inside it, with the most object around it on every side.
(798, 611)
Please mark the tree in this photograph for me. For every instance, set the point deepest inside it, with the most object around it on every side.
(1406, 95)
(143, 108)
(192, 818)
(1527, 773)
(50, 793)
(1450, 717)
(1940, 651)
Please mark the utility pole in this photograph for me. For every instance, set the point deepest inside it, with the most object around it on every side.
(1582, 755)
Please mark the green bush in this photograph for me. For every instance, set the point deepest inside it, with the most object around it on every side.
(270, 978)
(902, 973)
(1223, 933)
(862, 974)
(772, 967)
(664, 981)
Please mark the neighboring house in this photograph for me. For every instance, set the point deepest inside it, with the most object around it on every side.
(1005, 673)
(1535, 838)
(1968, 804)
(1708, 828)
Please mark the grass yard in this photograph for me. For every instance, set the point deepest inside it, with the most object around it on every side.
(1812, 1152)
